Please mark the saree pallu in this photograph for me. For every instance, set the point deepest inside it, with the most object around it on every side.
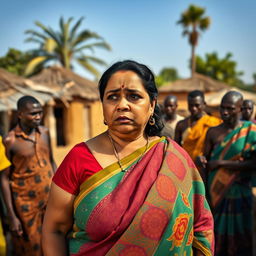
(156, 207)
(231, 193)
(193, 137)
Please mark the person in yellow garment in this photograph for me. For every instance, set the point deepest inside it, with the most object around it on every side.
(4, 163)
(190, 133)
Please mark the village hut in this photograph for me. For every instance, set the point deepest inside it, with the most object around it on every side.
(76, 115)
(181, 88)
(213, 100)
(13, 87)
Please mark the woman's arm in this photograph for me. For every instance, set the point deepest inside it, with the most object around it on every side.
(57, 221)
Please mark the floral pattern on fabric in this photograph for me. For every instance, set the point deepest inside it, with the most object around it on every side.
(185, 200)
(179, 229)
(190, 237)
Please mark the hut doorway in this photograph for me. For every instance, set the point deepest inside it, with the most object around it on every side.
(59, 113)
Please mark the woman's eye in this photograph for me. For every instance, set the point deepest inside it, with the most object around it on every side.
(134, 96)
(112, 97)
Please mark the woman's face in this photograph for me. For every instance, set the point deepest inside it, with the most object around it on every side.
(126, 103)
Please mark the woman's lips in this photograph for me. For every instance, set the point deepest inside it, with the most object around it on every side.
(123, 119)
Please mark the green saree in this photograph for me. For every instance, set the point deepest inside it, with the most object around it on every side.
(157, 207)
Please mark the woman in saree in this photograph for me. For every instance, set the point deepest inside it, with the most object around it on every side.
(128, 191)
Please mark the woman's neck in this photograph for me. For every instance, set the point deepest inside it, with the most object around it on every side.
(127, 142)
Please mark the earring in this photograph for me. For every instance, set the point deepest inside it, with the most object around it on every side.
(152, 121)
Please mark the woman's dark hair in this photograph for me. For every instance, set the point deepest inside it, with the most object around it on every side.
(148, 81)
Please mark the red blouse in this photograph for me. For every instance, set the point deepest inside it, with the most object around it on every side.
(78, 165)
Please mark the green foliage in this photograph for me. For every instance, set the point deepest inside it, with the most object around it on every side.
(166, 75)
(15, 61)
(65, 46)
(254, 78)
(221, 69)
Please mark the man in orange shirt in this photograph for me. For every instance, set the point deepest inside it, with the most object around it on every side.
(190, 133)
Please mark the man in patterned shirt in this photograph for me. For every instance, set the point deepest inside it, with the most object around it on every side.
(26, 183)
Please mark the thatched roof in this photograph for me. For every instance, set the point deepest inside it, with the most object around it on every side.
(197, 82)
(214, 99)
(65, 82)
(13, 87)
(8, 81)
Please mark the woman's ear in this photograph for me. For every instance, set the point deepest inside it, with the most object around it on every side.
(153, 105)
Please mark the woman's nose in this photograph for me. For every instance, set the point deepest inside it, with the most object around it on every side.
(123, 104)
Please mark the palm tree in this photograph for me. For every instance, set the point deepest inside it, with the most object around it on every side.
(65, 46)
(193, 21)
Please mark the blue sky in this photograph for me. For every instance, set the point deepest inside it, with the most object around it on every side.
(143, 30)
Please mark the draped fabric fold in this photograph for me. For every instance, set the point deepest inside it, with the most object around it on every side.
(156, 207)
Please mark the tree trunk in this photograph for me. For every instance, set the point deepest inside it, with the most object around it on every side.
(193, 41)
(193, 60)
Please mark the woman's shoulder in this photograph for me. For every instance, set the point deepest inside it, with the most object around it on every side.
(96, 139)
(79, 148)
(96, 143)
(78, 152)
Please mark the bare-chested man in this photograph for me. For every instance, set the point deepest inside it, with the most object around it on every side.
(190, 132)
(230, 160)
(26, 183)
(171, 118)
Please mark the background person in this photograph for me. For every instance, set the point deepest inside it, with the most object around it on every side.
(170, 118)
(26, 183)
(128, 191)
(230, 160)
(190, 132)
(248, 110)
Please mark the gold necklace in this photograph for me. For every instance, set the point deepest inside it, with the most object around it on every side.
(116, 153)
